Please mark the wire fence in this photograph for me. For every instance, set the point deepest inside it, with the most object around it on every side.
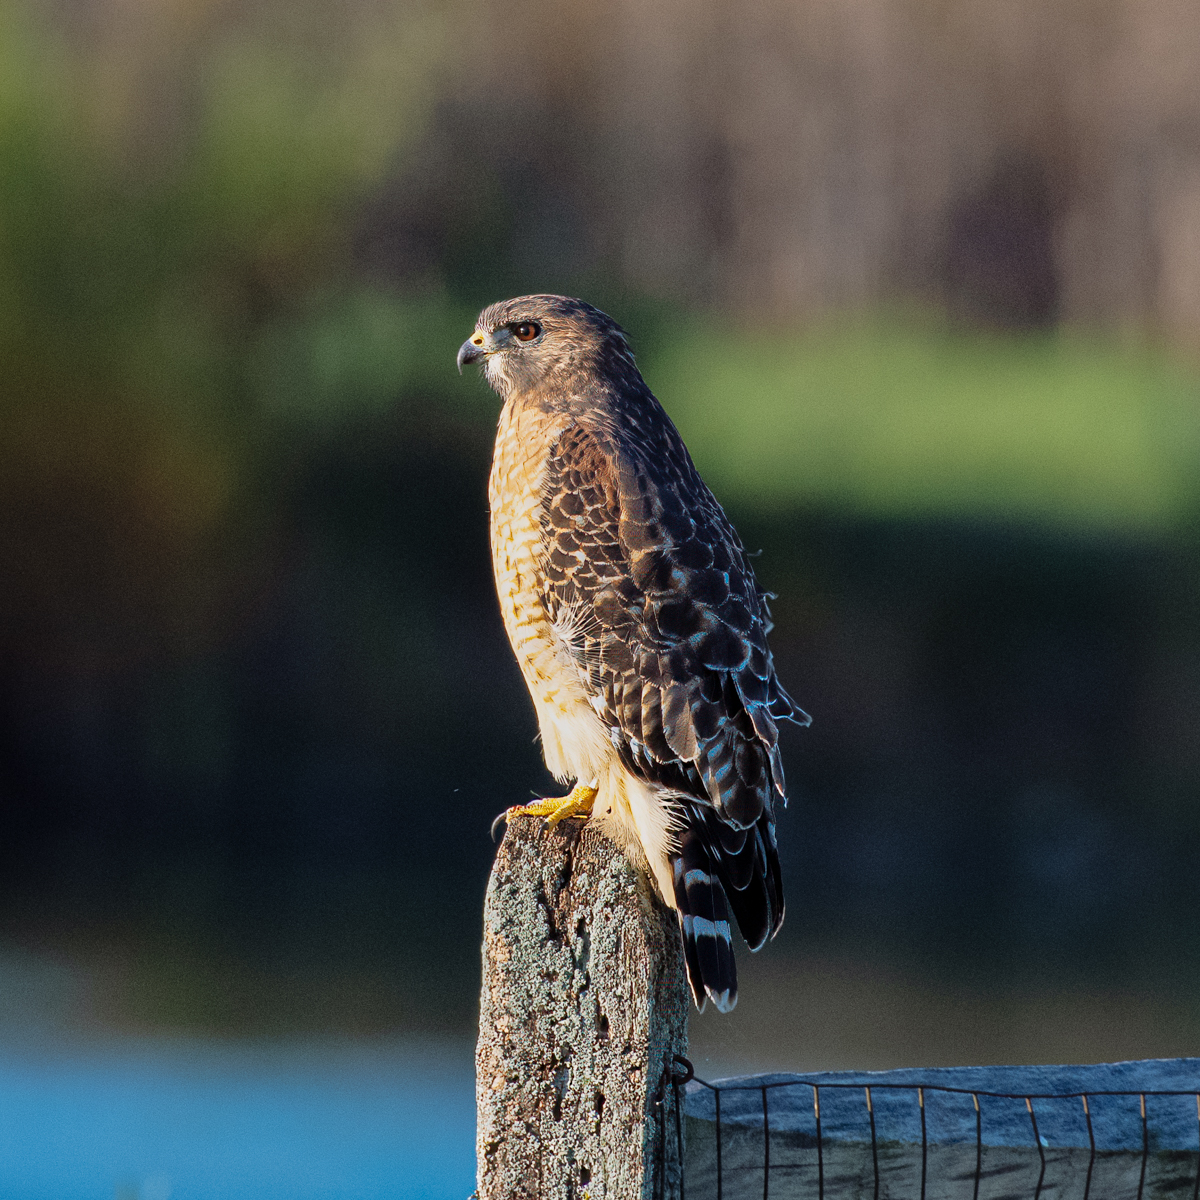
(914, 1138)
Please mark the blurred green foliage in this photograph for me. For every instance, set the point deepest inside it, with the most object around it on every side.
(911, 418)
(175, 296)
(152, 258)
(171, 301)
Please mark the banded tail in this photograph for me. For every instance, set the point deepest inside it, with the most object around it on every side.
(719, 868)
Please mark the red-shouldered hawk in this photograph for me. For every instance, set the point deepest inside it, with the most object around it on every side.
(638, 625)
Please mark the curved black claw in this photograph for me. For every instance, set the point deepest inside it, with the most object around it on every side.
(496, 823)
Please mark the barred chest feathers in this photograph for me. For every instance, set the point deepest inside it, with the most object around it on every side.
(575, 741)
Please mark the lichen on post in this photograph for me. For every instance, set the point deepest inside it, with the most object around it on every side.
(584, 1004)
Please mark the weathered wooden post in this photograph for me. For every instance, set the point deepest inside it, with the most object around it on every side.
(584, 1004)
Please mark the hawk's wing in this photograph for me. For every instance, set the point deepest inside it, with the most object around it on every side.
(651, 586)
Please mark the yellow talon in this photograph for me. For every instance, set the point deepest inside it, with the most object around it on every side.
(554, 809)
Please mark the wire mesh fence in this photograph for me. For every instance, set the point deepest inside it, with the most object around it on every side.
(1123, 1131)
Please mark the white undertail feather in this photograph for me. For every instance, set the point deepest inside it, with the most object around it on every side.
(641, 817)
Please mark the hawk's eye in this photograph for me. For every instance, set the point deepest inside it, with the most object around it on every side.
(527, 331)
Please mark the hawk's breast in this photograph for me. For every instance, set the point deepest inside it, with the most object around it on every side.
(574, 740)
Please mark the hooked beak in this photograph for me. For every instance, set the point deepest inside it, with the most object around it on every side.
(471, 350)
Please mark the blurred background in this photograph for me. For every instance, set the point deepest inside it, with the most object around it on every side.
(919, 281)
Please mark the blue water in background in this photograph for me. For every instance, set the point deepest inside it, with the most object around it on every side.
(159, 1119)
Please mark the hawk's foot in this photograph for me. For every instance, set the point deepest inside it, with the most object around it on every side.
(554, 809)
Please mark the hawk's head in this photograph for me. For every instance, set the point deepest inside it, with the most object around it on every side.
(533, 341)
